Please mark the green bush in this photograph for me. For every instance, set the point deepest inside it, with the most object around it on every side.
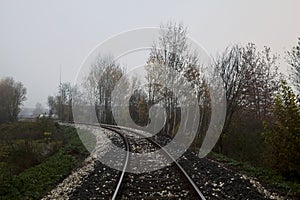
(283, 136)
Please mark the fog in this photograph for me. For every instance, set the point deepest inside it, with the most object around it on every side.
(38, 37)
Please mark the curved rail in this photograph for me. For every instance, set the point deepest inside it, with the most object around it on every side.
(125, 163)
(189, 179)
(113, 128)
(127, 153)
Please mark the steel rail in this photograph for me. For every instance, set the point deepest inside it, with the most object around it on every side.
(127, 153)
(113, 128)
(190, 180)
(125, 163)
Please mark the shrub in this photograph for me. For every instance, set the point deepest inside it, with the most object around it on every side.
(283, 136)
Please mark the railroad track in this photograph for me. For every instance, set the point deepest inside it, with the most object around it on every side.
(167, 183)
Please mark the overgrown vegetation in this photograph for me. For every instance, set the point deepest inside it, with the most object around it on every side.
(42, 175)
(24, 144)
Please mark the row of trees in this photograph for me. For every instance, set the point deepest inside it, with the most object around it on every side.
(250, 79)
(261, 109)
(12, 95)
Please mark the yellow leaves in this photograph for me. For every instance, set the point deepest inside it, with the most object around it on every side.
(47, 133)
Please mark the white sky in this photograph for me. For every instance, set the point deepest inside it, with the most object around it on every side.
(36, 37)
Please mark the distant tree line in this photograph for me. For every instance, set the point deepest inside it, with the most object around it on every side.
(12, 95)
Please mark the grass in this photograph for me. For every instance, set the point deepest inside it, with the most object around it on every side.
(36, 181)
(267, 177)
(24, 144)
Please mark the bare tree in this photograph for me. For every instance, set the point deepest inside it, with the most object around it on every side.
(170, 62)
(251, 80)
(262, 80)
(52, 105)
(228, 65)
(61, 104)
(293, 60)
(99, 84)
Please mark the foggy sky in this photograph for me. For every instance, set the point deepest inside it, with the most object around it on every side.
(37, 37)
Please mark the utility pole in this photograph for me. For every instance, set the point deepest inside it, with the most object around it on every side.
(60, 95)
